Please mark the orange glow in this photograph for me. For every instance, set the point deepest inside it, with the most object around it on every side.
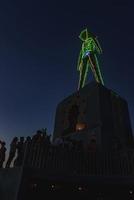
(80, 126)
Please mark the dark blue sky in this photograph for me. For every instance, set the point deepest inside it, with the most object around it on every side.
(39, 47)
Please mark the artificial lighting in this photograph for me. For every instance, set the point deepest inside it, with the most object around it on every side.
(79, 188)
(131, 192)
(80, 126)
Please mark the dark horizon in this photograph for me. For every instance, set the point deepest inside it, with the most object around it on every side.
(38, 58)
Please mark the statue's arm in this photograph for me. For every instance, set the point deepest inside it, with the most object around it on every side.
(98, 47)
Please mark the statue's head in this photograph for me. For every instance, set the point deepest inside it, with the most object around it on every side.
(84, 35)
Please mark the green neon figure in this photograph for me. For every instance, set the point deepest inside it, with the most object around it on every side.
(88, 59)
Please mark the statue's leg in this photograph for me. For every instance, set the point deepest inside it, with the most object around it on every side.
(83, 73)
(80, 82)
(95, 68)
(98, 71)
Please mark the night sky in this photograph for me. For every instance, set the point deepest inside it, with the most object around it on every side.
(39, 48)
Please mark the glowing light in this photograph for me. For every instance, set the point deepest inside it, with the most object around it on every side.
(80, 126)
(131, 192)
(87, 53)
(80, 188)
(88, 59)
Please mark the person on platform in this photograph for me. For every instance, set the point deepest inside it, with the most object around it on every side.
(13, 148)
(20, 152)
(2, 153)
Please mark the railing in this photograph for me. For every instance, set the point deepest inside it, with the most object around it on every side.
(61, 159)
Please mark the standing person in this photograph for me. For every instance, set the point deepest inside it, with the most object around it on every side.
(13, 147)
(2, 153)
(27, 150)
(20, 152)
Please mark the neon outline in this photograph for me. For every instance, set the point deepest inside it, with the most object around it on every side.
(88, 58)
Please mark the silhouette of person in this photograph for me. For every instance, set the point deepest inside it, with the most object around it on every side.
(44, 132)
(2, 153)
(13, 147)
(20, 152)
(28, 149)
(37, 136)
(48, 140)
(28, 141)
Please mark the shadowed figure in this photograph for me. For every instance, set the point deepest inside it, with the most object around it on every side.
(27, 150)
(13, 147)
(2, 153)
(20, 152)
(37, 137)
(27, 141)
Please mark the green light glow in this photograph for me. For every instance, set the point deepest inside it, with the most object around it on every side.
(87, 58)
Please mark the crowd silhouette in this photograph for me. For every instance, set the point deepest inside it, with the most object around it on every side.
(64, 154)
(19, 146)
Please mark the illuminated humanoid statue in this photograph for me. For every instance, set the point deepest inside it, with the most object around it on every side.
(88, 59)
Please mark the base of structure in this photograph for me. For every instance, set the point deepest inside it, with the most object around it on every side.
(33, 184)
